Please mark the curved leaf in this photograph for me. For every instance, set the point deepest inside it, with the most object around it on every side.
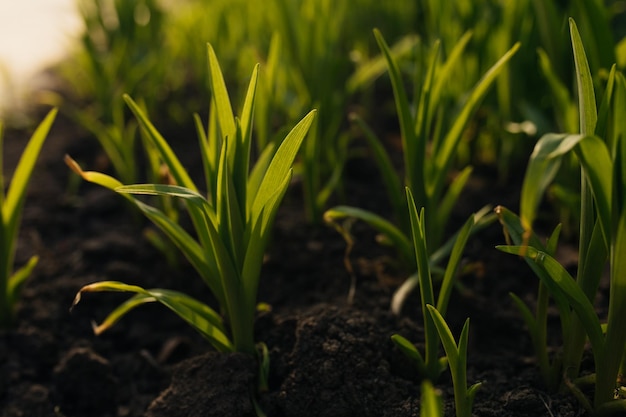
(282, 162)
(200, 316)
(444, 157)
(178, 171)
(17, 190)
(558, 280)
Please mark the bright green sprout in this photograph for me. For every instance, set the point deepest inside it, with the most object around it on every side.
(11, 205)
(601, 151)
(232, 222)
(430, 365)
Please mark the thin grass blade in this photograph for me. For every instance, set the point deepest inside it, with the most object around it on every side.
(542, 167)
(179, 173)
(200, 316)
(407, 128)
(229, 219)
(443, 158)
(586, 94)
(17, 280)
(221, 101)
(410, 351)
(282, 162)
(452, 267)
(559, 281)
(16, 193)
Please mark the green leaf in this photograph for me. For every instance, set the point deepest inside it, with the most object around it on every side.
(411, 352)
(221, 101)
(446, 71)
(206, 154)
(17, 280)
(417, 166)
(615, 331)
(373, 69)
(202, 260)
(559, 281)
(566, 110)
(200, 316)
(16, 193)
(430, 402)
(443, 158)
(165, 189)
(427, 296)
(244, 140)
(11, 205)
(258, 173)
(542, 167)
(409, 140)
(605, 108)
(447, 339)
(282, 161)
(165, 151)
(516, 235)
(229, 218)
(586, 94)
(457, 361)
(453, 265)
(596, 161)
(444, 208)
(247, 117)
(421, 251)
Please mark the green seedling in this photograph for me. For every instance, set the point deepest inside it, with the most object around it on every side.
(428, 150)
(11, 205)
(456, 356)
(601, 151)
(232, 222)
(429, 365)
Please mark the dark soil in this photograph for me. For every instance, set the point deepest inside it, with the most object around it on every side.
(328, 358)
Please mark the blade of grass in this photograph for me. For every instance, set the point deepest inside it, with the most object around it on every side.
(165, 151)
(444, 155)
(201, 317)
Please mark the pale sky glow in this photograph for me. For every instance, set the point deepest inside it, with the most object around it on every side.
(33, 34)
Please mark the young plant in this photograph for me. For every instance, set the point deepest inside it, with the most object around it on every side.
(232, 223)
(11, 204)
(456, 356)
(429, 151)
(430, 365)
(601, 151)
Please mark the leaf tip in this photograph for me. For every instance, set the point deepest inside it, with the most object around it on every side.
(98, 329)
(73, 165)
(76, 300)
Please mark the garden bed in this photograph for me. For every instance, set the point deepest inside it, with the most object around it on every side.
(328, 358)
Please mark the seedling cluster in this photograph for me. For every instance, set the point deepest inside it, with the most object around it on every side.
(463, 95)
